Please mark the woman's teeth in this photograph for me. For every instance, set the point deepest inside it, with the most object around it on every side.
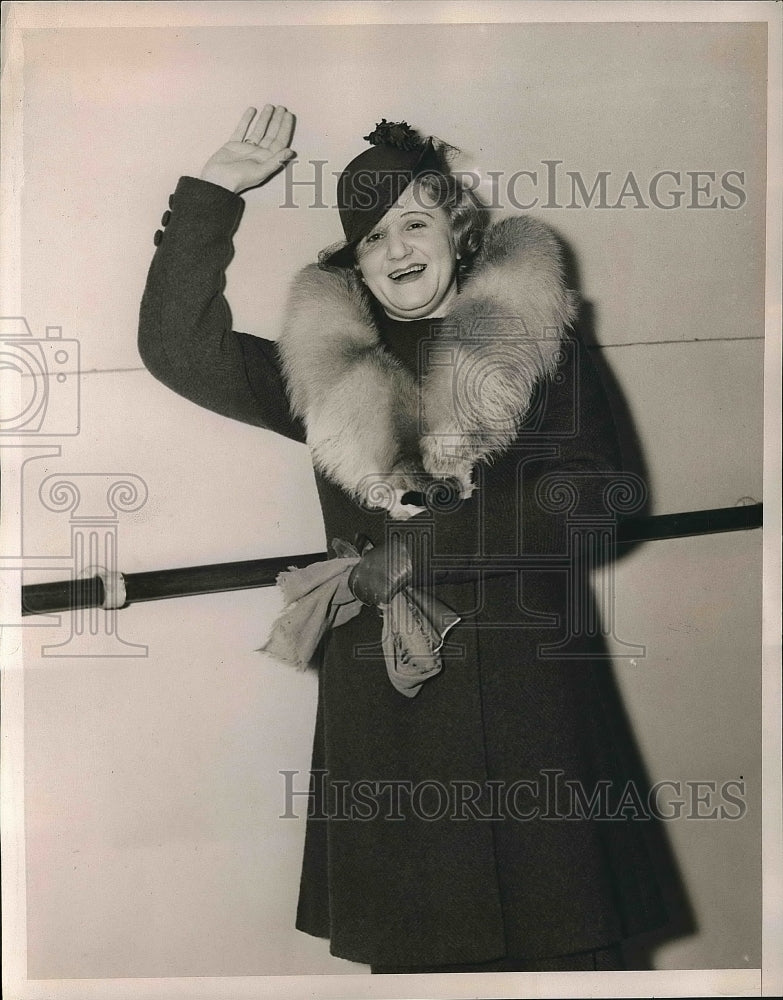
(407, 273)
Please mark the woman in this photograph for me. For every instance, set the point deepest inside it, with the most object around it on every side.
(425, 362)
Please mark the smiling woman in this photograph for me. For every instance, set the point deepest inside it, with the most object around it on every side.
(409, 260)
(425, 363)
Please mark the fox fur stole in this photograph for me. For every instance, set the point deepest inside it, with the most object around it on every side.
(372, 428)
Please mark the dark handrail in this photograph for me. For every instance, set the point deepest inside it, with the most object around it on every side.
(188, 581)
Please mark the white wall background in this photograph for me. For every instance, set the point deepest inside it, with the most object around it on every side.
(152, 794)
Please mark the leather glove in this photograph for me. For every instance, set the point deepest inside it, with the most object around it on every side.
(381, 573)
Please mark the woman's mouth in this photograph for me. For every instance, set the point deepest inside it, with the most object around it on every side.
(409, 273)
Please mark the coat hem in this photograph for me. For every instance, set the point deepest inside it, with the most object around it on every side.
(489, 955)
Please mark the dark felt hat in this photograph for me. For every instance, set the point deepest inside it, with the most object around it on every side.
(374, 180)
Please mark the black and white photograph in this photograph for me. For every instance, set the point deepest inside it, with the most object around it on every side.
(390, 545)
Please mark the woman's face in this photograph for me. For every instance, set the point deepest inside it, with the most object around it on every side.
(408, 261)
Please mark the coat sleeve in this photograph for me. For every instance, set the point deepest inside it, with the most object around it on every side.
(577, 476)
(185, 335)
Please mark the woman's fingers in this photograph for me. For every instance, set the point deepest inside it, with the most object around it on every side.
(262, 124)
(277, 130)
(239, 132)
(285, 129)
(256, 151)
(272, 129)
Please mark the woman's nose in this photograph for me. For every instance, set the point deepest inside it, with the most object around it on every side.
(396, 247)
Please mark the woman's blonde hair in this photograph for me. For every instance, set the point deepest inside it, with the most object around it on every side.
(468, 217)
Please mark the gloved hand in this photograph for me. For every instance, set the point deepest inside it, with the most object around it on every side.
(381, 573)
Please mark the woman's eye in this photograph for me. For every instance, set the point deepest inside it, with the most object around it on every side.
(416, 225)
(374, 237)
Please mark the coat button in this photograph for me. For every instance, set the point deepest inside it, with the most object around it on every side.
(157, 237)
(171, 201)
(165, 218)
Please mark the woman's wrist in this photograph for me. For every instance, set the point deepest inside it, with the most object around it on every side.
(219, 179)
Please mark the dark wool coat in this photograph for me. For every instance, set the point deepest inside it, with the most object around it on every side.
(429, 868)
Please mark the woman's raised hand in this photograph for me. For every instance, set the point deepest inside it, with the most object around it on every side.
(252, 155)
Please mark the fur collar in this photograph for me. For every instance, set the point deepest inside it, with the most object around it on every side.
(370, 427)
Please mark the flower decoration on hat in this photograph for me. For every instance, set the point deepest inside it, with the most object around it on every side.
(397, 134)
